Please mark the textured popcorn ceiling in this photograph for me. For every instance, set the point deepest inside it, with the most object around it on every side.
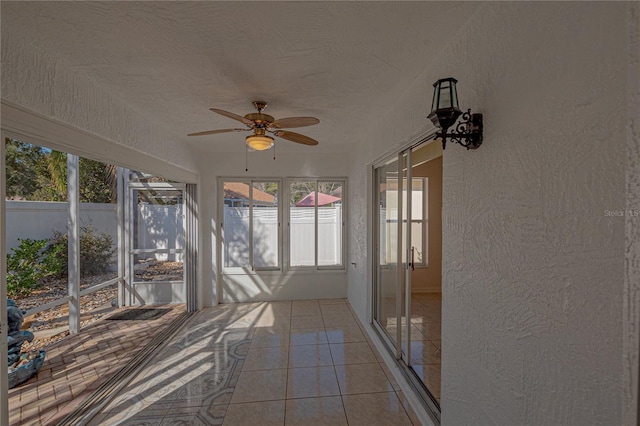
(346, 63)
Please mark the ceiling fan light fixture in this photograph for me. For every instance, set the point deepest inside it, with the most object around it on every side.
(259, 142)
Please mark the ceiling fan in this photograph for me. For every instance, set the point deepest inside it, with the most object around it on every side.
(261, 123)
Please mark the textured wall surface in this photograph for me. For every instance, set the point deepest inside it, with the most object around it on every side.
(340, 61)
(43, 84)
(533, 265)
(533, 247)
(632, 242)
(271, 285)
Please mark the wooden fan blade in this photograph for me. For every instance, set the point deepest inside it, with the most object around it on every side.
(213, 132)
(232, 115)
(285, 123)
(295, 137)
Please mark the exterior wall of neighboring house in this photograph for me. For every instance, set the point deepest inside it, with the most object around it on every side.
(534, 283)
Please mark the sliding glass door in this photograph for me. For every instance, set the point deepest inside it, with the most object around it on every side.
(401, 200)
(388, 271)
(392, 278)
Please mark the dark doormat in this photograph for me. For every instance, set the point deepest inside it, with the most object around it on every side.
(140, 314)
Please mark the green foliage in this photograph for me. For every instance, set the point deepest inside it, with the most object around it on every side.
(22, 162)
(96, 250)
(270, 188)
(26, 266)
(56, 256)
(52, 178)
(33, 261)
(40, 174)
(97, 182)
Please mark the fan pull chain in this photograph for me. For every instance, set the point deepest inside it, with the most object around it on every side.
(274, 151)
(246, 158)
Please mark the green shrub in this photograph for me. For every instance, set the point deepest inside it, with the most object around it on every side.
(35, 260)
(26, 266)
(55, 256)
(96, 251)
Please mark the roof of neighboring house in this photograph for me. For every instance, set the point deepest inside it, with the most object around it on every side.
(240, 191)
(323, 199)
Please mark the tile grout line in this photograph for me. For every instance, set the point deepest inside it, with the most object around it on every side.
(403, 407)
(286, 380)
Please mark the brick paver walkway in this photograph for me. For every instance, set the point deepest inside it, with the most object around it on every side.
(77, 365)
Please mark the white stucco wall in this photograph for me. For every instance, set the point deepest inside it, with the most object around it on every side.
(265, 285)
(533, 267)
(43, 97)
(631, 331)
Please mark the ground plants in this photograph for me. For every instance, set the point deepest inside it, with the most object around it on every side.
(96, 251)
(26, 266)
(33, 261)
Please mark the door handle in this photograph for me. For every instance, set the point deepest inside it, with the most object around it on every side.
(413, 263)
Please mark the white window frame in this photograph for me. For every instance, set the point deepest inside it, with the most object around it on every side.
(287, 196)
(235, 270)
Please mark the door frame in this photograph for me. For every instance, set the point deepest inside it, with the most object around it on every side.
(129, 294)
(416, 384)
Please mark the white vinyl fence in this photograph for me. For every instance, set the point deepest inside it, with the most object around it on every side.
(265, 236)
(38, 219)
(158, 226)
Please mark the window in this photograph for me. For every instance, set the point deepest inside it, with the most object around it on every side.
(419, 220)
(251, 237)
(316, 223)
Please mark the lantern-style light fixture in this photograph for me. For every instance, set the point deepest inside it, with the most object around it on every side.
(445, 111)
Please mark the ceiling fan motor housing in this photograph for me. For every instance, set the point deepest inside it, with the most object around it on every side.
(260, 119)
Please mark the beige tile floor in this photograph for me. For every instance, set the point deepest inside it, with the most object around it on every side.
(426, 343)
(280, 363)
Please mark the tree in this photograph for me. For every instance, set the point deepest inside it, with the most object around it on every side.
(97, 182)
(52, 178)
(39, 174)
(22, 161)
(270, 188)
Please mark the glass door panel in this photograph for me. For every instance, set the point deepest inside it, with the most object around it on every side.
(404, 272)
(387, 301)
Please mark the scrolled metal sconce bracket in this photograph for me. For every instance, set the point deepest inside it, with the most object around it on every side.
(467, 133)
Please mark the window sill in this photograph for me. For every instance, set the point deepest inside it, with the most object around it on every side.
(290, 271)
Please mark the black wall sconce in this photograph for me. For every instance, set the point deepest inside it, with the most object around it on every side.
(445, 112)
